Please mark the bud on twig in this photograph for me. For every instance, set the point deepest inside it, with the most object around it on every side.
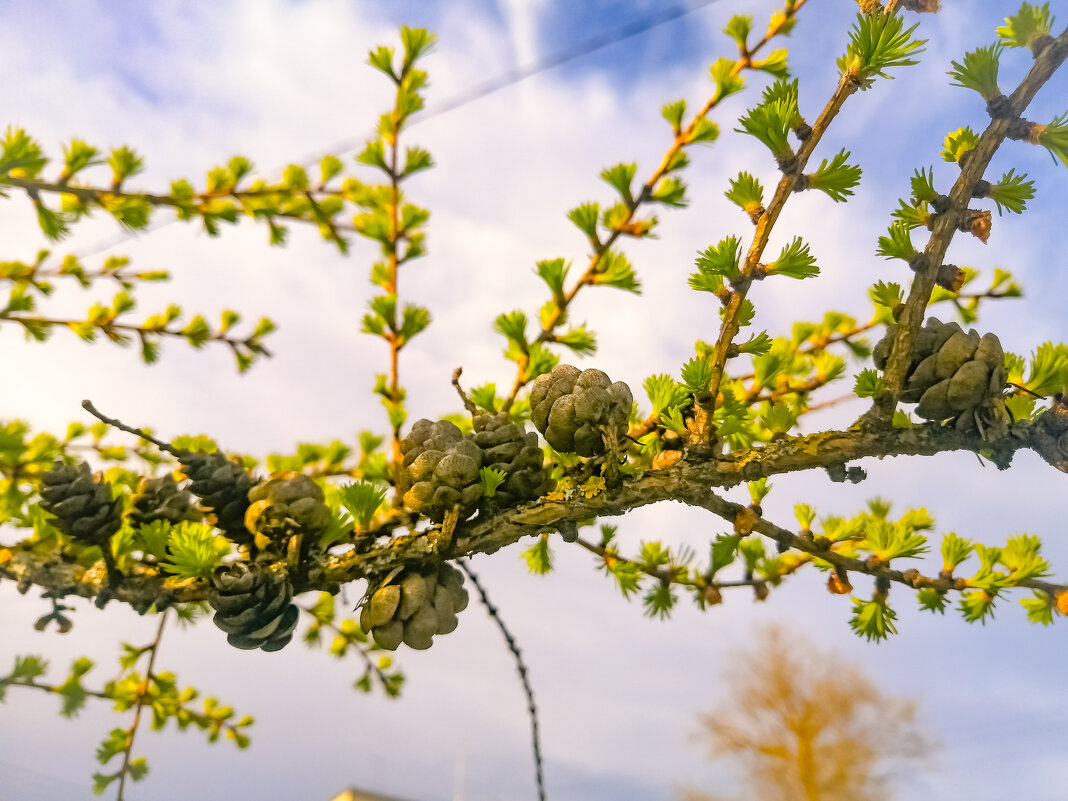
(977, 223)
(950, 277)
(745, 520)
(838, 582)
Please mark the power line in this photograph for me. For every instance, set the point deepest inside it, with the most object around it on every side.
(517, 74)
(491, 86)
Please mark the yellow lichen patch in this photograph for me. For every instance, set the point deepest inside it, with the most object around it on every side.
(593, 487)
(563, 488)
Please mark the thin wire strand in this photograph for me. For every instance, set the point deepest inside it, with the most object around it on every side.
(521, 669)
(503, 81)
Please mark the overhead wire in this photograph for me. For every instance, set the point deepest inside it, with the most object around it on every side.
(508, 78)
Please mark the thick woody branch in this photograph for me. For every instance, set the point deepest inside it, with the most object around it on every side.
(689, 480)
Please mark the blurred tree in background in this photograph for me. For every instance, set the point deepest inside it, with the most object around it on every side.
(802, 726)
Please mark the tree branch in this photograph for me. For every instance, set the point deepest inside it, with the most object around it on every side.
(729, 327)
(945, 225)
(688, 480)
(602, 248)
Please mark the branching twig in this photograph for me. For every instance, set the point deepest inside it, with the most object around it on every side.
(56, 689)
(137, 432)
(521, 668)
(703, 430)
(601, 248)
(945, 225)
(912, 578)
(117, 331)
(471, 408)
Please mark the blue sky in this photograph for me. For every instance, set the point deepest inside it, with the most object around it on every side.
(189, 85)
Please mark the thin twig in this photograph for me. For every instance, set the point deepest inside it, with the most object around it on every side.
(1025, 389)
(394, 342)
(844, 337)
(38, 274)
(201, 201)
(831, 402)
(33, 684)
(137, 432)
(471, 408)
(114, 331)
(671, 575)
(142, 696)
(912, 578)
(521, 668)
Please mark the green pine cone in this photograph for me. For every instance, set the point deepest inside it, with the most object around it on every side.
(222, 486)
(252, 605)
(440, 470)
(508, 447)
(161, 499)
(580, 411)
(414, 607)
(82, 503)
(287, 504)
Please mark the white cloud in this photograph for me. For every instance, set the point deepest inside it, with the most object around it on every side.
(522, 17)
